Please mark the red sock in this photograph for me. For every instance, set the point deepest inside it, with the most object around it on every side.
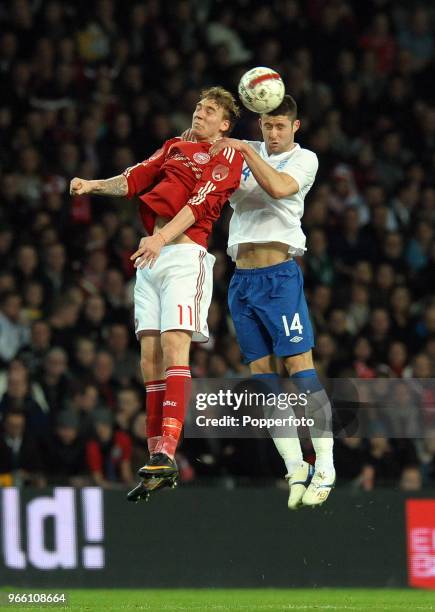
(177, 396)
(155, 395)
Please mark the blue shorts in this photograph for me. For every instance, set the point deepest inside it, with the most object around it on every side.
(270, 312)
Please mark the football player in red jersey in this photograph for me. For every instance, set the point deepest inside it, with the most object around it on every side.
(182, 191)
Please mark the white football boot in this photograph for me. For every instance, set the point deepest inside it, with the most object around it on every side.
(319, 488)
(298, 482)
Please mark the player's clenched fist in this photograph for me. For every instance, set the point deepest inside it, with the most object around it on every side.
(79, 186)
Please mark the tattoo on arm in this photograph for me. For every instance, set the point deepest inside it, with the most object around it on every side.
(116, 186)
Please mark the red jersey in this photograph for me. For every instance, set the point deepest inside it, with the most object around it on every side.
(183, 173)
(107, 461)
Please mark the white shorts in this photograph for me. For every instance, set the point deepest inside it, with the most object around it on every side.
(176, 292)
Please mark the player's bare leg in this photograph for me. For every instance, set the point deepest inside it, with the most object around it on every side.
(301, 370)
(298, 471)
(175, 346)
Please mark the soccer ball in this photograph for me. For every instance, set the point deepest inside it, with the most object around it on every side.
(261, 90)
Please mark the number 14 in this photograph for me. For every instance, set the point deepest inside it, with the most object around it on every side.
(296, 324)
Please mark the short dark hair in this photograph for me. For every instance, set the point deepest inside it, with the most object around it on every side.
(287, 107)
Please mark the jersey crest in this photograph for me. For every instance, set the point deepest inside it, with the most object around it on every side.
(220, 172)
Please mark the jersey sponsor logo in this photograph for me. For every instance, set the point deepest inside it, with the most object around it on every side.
(177, 156)
(296, 339)
(201, 157)
(220, 172)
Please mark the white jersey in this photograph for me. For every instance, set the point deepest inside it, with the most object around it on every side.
(257, 217)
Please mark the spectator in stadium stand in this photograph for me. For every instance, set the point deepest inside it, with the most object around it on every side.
(378, 333)
(397, 358)
(393, 254)
(125, 364)
(18, 396)
(424, 277)
(363, 362)
(139, 440)
(349, 458)
(84, 399)
(33, 301)
(93, 318)
(27, 265)
(384, 282)
(338, 329)
(320, 301)
(63, 321)
(319, 268)
(129, 404)
(108, 452)
(411, 479)
(325, 353)
(115, 294)
(381, 458)
(358, 308)
(54, 380)
(20, 457)
(13, 335)
(104, 379)
(34, 353)
(64, 452)
(56, 276)
(83, 359)
(426, 454)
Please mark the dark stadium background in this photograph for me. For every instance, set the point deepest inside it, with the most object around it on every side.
(89, 88)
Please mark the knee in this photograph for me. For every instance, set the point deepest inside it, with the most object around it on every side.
(265, 365)
(149, 368)
(299, 363)
(175, 347)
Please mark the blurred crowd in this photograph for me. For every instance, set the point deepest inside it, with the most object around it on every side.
(90, 88)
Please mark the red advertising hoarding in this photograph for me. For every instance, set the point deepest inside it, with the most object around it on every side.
(420, 526)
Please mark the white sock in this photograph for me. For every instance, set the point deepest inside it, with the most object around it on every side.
(289, 447)
(324, 454)
(291, 452)
(319, 408)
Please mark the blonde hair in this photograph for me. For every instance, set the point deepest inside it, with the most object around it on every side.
(225, 100)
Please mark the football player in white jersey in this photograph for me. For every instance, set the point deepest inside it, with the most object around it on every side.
(266, 296)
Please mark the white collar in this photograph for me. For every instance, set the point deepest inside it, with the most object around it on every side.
(279, 156)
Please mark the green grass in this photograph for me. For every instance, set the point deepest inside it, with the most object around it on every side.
(242, 600)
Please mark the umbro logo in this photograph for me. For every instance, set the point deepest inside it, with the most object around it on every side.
(296, 339)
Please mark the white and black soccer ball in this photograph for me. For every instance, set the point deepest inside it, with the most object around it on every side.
(261, 90)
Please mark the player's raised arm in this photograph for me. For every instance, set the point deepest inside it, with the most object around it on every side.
(116, 186)
(276, 184)
(132, 181)
(143, 175)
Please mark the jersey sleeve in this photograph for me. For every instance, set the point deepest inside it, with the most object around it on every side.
(142, 175)
(219, 180)
(303, 169)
